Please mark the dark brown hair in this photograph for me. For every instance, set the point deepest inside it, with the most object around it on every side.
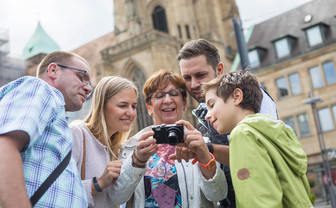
(200, 47)
(227, 83)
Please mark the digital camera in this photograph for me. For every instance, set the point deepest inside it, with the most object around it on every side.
(168, 134)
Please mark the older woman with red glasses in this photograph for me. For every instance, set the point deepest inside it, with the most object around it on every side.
(168, 183)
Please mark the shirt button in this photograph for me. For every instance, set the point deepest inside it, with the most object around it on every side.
(191, 197)
(124, 154)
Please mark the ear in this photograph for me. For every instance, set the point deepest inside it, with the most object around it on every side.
(220, 69)
(237, 96)
(52, 71)
(149, 109)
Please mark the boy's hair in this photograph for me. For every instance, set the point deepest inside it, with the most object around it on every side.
(200, 47)
(227, 83)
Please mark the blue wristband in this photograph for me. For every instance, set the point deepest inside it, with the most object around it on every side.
(96, 185)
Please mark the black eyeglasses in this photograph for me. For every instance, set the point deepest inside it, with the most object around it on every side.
(84, 79)
(162, 94)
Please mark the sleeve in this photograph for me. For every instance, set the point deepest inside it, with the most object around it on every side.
(254, 177)
(215, 188)
(77, 148)
(29, 105)
(123, 188)
(77, 154)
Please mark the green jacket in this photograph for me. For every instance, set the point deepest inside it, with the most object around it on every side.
(268, 165)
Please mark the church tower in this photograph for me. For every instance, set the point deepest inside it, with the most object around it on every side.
(150, 33)
(38, 46)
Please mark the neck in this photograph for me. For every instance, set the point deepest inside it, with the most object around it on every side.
(242, 113)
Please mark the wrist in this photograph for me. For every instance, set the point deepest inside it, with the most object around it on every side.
(135, 164)
(137, 160)
(210, 147)
(211, 164)
(96, 185)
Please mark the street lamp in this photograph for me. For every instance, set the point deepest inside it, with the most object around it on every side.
(312, 101)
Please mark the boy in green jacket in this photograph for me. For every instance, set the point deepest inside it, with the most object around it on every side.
(268, 164)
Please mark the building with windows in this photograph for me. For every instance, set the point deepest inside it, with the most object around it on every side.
(294, 57)
(148, 35)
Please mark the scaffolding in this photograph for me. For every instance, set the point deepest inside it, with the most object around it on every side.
(4, 42)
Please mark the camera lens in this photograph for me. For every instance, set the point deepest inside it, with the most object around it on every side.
(173, 135)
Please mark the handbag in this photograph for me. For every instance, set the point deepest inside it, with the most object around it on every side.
(83, 161)
(50, 180)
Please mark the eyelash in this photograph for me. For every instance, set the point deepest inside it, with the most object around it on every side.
(125, 106)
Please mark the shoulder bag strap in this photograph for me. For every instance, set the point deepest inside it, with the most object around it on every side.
(83, 161)
(51, 178)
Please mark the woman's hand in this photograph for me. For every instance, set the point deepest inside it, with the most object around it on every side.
(145, 147)
(194, 145)
(111, 173)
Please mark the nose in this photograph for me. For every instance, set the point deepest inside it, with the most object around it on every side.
(131, 111)
(194, 83)
(88, 90)
(207, 116)
(167, 98)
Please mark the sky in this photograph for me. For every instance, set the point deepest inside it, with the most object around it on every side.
(72, 23)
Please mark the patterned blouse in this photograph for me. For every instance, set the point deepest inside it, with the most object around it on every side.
(161, 182)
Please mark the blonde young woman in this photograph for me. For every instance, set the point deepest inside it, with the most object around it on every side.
(97, 141)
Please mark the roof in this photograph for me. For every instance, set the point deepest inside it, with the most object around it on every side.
(292, 23)
(39, 43)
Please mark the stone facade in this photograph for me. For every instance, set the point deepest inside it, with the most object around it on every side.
(148, 36)
(302, 73)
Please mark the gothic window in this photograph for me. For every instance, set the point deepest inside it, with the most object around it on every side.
(179, 31)
(187, 31)
(159, 19)
(143, 119)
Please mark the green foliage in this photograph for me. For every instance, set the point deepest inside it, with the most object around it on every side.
(312, 198)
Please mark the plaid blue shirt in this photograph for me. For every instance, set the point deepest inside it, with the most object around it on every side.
(31, 105)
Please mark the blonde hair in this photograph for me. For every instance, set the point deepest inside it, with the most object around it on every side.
(106, 88)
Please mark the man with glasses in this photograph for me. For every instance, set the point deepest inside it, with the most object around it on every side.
(34, 134)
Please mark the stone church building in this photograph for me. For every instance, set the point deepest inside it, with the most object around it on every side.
(147, 37)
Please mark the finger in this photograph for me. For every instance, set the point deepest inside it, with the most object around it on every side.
(186, 124)
(178, 152)
(145, 135)
(185, 154)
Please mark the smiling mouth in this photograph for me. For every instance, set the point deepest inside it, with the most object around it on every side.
(168, 110)
(212, 122)
(127, 120)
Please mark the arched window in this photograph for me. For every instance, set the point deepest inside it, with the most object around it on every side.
(159, 19)
(143, 119)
